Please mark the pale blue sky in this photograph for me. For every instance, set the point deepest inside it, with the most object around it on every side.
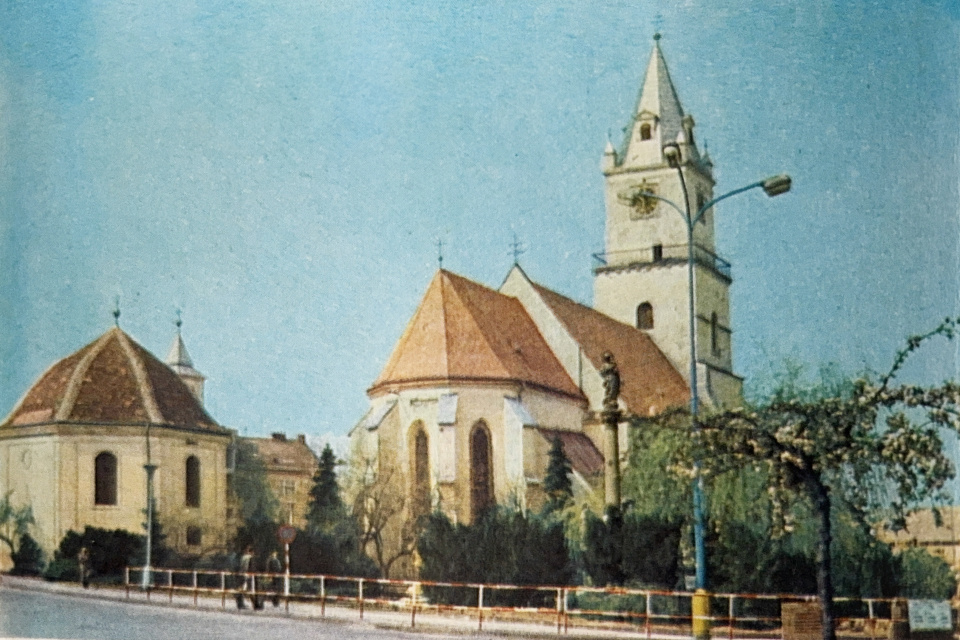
(281, 171)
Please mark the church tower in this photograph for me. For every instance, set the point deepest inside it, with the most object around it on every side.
(642, 280)
(179, 360)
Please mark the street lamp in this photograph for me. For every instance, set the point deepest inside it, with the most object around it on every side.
(146, 582)
(772, 186)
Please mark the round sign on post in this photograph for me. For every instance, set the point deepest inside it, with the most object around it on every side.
(286, 534)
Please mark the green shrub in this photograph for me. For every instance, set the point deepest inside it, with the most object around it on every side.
(504, 547)
(62, 569)
(631, 549)
(28, 558)
(110, 553)
(922, 575)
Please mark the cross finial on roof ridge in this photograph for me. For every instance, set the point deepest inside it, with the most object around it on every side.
(516, 248)
(440, 252)
(116, 311)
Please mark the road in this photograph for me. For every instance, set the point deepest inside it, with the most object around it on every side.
(25, 614)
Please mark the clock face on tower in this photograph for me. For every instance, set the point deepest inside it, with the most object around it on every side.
(637, 198)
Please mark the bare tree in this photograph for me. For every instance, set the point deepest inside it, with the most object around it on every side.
(387, 531)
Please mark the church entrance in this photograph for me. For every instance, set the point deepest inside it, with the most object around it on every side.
(481, 472)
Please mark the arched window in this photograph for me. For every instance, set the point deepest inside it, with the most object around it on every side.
(481, 471)
(420, 470)
(193, 481)
(714, 337)
(645, 133)
(105, 479)
(645, 316)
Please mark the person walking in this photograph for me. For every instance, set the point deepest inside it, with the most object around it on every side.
(245, 578)
(83, 566)
(274, 568)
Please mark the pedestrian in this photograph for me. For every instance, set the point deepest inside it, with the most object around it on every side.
(244, 577)
(83, 566)
(274, 567)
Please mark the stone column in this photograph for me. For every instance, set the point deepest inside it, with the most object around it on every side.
(611, 453)
(611, 427)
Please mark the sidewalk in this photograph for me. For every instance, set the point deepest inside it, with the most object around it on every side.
(375, 618)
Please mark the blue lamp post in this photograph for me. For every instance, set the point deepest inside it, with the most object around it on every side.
(773, 186)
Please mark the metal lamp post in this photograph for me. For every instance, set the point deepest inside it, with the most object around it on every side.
(150, 468)
(773, 186)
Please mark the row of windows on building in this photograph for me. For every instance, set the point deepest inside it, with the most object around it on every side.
(105, 480)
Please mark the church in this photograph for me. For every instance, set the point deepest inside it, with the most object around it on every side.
(75, 447)
(482, 381)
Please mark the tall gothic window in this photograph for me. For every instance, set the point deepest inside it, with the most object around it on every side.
(420, 471)
(714, 337)
(193, 481)
(105, 479)
(645, 316)
(481, 471)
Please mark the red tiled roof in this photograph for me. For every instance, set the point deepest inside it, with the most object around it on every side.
(649, 382)
(583, 455)
(463, 331)
(111, 380)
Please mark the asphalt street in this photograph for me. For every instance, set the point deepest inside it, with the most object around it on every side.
(26, 614)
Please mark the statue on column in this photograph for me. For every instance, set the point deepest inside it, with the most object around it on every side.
(611, 382)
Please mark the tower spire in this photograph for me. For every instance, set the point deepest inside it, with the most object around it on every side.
(179, 360)
(658, 117)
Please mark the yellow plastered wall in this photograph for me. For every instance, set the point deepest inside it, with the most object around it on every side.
(51, 468)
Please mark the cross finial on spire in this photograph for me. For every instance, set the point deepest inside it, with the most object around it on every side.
(440, 252)
(116, 311)
(179, 321)
(658, 26)
(517, 248)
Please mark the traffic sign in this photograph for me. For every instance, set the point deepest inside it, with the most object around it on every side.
(286, 534)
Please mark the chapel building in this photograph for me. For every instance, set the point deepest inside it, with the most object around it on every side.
(74, 448)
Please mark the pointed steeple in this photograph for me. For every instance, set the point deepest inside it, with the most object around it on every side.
(179, 360)
(658, 117)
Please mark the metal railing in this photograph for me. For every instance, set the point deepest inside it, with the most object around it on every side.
(662, 253)
(642, 611)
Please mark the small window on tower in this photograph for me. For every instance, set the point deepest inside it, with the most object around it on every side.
(645, 316)
(645, 131)
(657, 252)
(194, 536)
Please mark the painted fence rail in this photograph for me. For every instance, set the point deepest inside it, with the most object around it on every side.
(655, 613)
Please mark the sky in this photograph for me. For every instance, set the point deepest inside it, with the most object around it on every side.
(282, 171)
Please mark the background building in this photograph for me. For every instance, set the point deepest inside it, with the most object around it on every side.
(290, 466)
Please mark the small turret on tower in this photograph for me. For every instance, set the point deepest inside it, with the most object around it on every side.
(179, 360)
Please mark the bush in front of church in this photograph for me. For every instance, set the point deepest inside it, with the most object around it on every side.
(504, 546)
(110, 553)
(28, 558)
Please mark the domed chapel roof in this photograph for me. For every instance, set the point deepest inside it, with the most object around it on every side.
(112, 380)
